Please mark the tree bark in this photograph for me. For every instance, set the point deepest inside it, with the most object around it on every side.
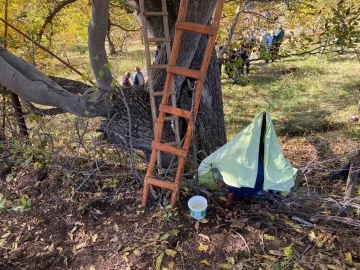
(96, 41)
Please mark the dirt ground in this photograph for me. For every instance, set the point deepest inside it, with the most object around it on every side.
(46, 224)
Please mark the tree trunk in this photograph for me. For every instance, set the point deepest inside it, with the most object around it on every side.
(210, 126)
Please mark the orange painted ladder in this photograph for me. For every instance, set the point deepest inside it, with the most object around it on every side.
(152, 67)
(172, 70)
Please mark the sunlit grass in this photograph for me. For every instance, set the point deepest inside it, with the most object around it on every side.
(318, 95)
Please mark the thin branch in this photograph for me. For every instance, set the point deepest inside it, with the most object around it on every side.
(125, 29)
(242, 237)
(52, 14)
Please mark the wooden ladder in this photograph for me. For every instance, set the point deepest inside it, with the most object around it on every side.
(152, 67)
(172, 70)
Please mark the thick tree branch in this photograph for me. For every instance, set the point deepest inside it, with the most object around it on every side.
(97, 32)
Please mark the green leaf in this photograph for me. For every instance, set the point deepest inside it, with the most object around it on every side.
(23, 201)
(164, 237)
(170, 252)
(205, 262)
(203, 247)
(159, 261)
(225, 266)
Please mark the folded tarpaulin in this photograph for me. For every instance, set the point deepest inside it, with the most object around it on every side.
(237, 161)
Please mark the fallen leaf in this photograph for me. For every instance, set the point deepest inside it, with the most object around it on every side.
(81, 245)
(159, 261)
(15, 246)
(171, 265)
(237, 224)
(125, 258)
(231, 260)
(202, 247)
(197, 224)
(204, 220)
(207, 238)
(174, 232)
(205, 262)
(51, 247)
(225, 266)
(164, 237)
(6, 235)
(94, 237)
(73, 229)
(348, 257)
(170, 252)
(270, 258)
(276, 252)
(92, 268)
(223, 199)
(269, 237)
(114, 239)
(332, 267)
(116, 227)
(128, 249)
(137, 252)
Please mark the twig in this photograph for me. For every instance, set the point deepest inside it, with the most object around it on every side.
(80, 186)
(308, 224)
(243, 240)
(307, 249)
(133, 169)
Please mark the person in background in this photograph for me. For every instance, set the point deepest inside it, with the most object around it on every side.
(242, 59)
(126, 79)
(138, 77)
(267, 14)
(265, 47)
(278, 38)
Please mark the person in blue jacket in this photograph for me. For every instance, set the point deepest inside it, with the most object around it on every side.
(138, 77)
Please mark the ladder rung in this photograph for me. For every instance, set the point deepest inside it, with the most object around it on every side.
(157, 13)
(157, 66)
(169, 149)
(161, 183)
(161, 93)
(195, 27)
(176, 111)
(158, 40)
(171, 118)
(195, 74)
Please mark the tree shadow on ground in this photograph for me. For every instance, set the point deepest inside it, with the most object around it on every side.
(301, 123)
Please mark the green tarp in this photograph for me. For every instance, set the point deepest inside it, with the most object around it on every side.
(237, 161)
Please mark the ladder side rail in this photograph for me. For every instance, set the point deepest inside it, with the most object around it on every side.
(150, 72)
(168, 53)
